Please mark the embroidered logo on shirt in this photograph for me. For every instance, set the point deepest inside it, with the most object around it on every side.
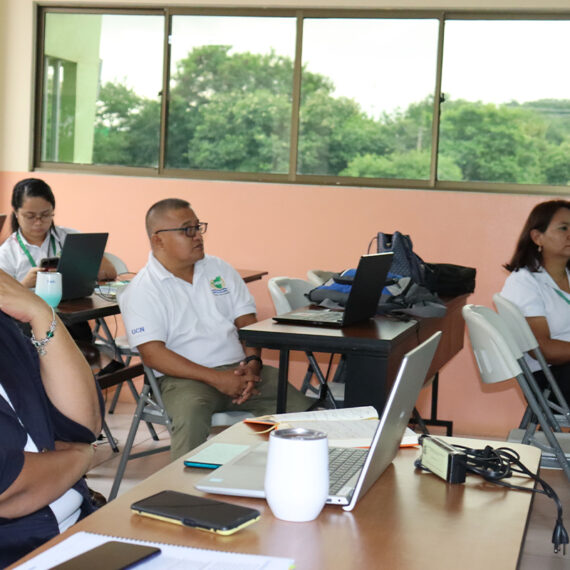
(136, 331)
(218, 286)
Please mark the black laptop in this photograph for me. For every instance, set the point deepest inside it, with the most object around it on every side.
(362, 301)
(79, 264)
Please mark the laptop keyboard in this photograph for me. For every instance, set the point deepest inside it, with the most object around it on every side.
(323, 316)
(344, 463)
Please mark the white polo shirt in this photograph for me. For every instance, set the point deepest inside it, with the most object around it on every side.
(537, 295)
(195, 320)
(15, 262)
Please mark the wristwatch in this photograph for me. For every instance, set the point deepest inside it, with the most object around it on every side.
(254, 357)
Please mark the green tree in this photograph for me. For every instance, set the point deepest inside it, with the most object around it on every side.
(491, 143)
(413, 164)
(126, 128)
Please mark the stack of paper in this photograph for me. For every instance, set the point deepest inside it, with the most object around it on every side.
(345, 427)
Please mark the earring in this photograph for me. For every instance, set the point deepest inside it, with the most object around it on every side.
(539, 249)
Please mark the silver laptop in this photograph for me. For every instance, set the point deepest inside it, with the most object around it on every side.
(362, 302)
(244, 475)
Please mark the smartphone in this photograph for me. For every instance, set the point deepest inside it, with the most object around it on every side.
(196, 512)
(49, 263)
(112, 555)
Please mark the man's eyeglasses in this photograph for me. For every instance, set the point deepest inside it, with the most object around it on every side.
(31, 217)
(189, 231)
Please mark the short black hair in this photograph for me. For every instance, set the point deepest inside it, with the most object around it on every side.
(163, 206)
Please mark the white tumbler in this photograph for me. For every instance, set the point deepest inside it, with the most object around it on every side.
(297, 475)
(48, 287)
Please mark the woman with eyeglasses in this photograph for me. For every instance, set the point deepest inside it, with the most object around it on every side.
(35, 236)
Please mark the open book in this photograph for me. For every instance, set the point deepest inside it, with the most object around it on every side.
(345, 427)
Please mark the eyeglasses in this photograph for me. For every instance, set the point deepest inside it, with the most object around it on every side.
(31, 216)
(189, 231)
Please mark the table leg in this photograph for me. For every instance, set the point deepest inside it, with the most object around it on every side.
(366, 382)
(283, 381)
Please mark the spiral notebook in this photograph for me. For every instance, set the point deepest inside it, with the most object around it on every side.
(171, 556)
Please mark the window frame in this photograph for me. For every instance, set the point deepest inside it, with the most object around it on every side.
(292, 177)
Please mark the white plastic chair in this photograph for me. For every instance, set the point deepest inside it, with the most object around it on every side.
(150, 408)
(119, 265)
(287, 294)
(522, 334)
(497, 363)
(318, 276)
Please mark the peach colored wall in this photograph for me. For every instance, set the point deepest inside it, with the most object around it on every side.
(287, 229)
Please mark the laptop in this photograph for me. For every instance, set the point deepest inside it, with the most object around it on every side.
(79, 264)
(362, 300)
(244, 475)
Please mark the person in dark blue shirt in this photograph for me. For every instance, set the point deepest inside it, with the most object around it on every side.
(50, 411)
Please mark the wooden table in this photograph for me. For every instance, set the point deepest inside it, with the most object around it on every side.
(373, 349)
(409, 520)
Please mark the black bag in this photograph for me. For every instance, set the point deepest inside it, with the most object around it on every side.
(450, 280)
(405, 263)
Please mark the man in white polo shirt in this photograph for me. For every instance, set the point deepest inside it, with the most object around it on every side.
(182, 311)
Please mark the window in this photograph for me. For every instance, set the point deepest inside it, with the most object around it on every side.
(424, 100)
(102, 78)
(506, 115)
(231, 89)
(367, 97)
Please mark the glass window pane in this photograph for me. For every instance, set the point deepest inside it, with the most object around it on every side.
(367, 97)
(102, 78)
(230, 93)
(506, 117)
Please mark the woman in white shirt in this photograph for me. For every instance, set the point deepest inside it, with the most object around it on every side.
(539, 284)
(35, 236)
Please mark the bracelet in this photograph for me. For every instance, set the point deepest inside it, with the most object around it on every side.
(41, 344)
(254, 357)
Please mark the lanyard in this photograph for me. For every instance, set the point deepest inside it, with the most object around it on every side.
(27, 251)
(562, 295)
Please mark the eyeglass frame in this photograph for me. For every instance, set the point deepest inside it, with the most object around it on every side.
(200, 228)
(32, 217)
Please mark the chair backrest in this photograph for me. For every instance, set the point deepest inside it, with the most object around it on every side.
(119, 265)
(493, 355)
(516, 322)
(318, 276)
(288, 293)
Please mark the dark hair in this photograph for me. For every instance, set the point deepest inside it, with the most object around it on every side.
(164, 206)
(526, 251)
(29, 188)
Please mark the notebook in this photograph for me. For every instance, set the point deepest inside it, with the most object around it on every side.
(79, 264)
(244, 475)
(362, 300)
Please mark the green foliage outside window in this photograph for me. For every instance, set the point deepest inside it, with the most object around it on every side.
(232, 112)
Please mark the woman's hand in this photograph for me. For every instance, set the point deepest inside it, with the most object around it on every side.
(29, 280)
(19, 302)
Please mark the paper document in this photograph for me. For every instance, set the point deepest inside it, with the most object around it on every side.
(171, 556)
(345, 427)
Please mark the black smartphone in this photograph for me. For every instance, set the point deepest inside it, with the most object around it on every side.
(197, 512)
(49, 263)
(112, 555)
